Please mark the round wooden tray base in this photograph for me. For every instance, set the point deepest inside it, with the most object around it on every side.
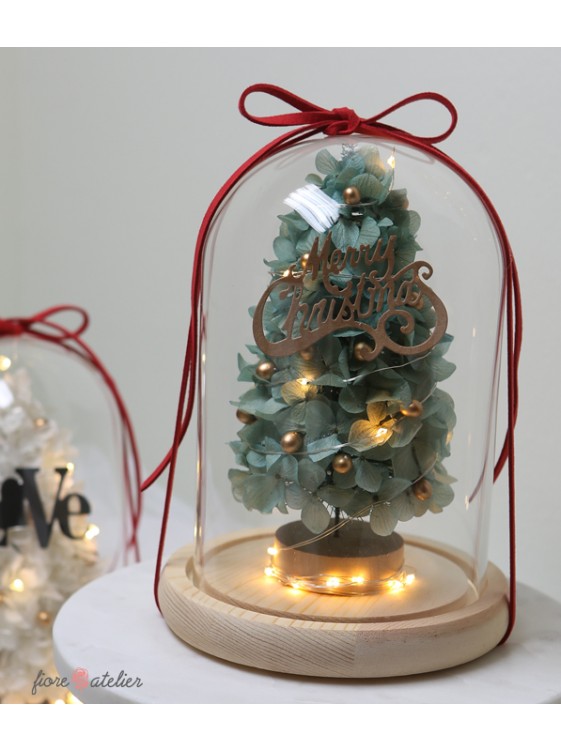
(263, 624)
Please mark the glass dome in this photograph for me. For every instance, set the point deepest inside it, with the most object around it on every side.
(61, 469)
(350, 337)
(65, 517)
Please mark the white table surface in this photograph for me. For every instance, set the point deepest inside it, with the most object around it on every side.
(113, 625)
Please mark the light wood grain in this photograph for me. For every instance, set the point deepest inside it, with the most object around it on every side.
(323, 635)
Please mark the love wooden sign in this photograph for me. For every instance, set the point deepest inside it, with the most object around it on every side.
(16, 493)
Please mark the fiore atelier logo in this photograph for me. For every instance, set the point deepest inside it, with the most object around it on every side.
(80, 679)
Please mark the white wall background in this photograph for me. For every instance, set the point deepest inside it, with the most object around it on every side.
(109, 157)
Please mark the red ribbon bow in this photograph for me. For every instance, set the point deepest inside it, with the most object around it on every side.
(310, 119)
(342, 121)
(42, 326)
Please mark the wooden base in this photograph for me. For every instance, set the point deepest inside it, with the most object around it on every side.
(241, 615)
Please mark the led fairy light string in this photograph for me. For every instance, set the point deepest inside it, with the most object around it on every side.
(43, 327)
(310, 120)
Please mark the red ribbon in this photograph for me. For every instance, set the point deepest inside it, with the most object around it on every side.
(310, 119)
(42, 326)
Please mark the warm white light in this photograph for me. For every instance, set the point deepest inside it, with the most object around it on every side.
(5, 362)
(269, 571)
(59, 702)
(272, 551)
(409, 579)
(91, 532)
(358, 580)
(286, 273)
(17, 585)
(295, 585)
(70, 467)
(304, 382)
(391, 161)
(381, 432)
(333, 582)
(395, 586)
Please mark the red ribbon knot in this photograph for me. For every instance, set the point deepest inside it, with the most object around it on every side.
(348, 123)
(11, 327)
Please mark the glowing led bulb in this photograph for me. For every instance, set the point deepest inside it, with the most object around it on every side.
(333, 582)
(410, 579)
(272, 551)
(357, 580)
(304, 382)
(269, 571)
(17, 585)
(381, 432)
(91, 532)
(70, 467)
(391, 161)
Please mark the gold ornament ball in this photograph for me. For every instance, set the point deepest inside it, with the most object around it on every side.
(422, 489)
(244, 417)
(362, 350)
(351, 195)
(44, 618)
(304, 260)
(342, 463)
(413, 410)
(291, 442)
(308, 353)
(265, 369)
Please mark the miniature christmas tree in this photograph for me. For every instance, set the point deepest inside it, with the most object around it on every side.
(345, 420)
(41, 564)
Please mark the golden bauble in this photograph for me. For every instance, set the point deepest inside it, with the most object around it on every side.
(308, 353)
(244, 417)
(265, 369)
(342, 463)
(291, 442)
(422, 489)
(304, 260)
(362, 350)
(44, 618)
(413, 410)
(351, 195)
